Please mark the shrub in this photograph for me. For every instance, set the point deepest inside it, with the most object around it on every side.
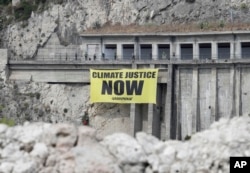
(190, 1)
(38, 95)
(243, 6)
(187, 138)
(96, 25)
(1, 108)
(204, 25)
(23, 11)
(5, 2)
(8, 121)
(65, 110)
(221, 24)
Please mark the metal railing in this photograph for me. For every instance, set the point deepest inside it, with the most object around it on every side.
(80, 58)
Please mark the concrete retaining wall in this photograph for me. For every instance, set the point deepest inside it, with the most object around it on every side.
(204, 95)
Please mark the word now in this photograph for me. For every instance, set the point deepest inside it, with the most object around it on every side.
(119, 87)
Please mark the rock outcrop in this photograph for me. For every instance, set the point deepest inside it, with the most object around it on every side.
(57, 103)
(65, 148)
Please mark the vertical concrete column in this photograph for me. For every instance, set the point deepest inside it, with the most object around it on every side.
(238, 50)
(150, 113)
(214, 50)
(132, 119)
(195, 99)
(154, 51)
(178, 51)
(135, 115)
(99, 57)
(137, 48)
(119, 52)
(150, 118)
(172, 48)
(213, 95)
(135, 119)
(238, 91)
(232, 90)
(84, 49)
(196, 51)
(169, 101)
(232, 50)
(178, 108)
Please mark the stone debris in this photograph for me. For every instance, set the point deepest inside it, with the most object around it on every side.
(67, 148)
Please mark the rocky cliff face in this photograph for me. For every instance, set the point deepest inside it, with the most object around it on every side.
(65, 148)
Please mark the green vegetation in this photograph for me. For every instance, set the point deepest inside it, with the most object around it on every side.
(221, 24)
(204, 25)
(190, 1)
(96, 25)
(23, 10)
(5, 2)
(187, 138)
(37, 95)
(8, 121)
(65, 110)
(1, 108)
(243, 6)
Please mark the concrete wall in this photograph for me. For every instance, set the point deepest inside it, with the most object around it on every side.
(196, 92)
(206, 94)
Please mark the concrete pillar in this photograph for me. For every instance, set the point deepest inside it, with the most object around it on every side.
(238, 50)
(135, 119)
(154, 123)
(137, 48)
(232, 89)
(119, 52)
(178, 51)
(214, 50)
(238, 91)
(168, 103)
(195, 99)
(213, 95)
(178, 108)
(196, 51)
(132, 119)
(150, 118)
(173, 48)
(232, 50)
(155, 51)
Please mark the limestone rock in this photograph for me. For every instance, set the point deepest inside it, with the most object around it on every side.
(125, 148)
(54, 149)
(94, 158)
(62, 136)
(86, 136)
(6, 167)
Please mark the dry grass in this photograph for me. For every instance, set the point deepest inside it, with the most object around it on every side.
(152, 28)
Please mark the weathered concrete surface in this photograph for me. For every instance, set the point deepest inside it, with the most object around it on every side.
(204, 102)
(222, 92)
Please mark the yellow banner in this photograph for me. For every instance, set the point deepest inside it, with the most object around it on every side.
(123, 86)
